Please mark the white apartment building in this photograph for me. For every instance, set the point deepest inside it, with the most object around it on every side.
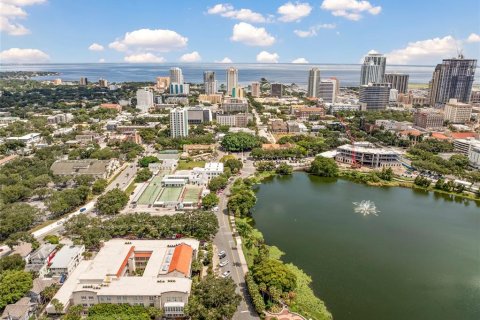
(179, 122)
(152, 273)
(232, 80)
(66, 260)
(176, 75)
(144, 99)
(28, 139)
(327, 90)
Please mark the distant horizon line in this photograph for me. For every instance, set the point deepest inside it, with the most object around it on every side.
(200, 63)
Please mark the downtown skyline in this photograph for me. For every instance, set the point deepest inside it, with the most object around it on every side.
(52, 31)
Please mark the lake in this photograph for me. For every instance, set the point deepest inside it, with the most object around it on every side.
(418, 259)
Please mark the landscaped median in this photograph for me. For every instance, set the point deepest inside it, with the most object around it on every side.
(271, 283)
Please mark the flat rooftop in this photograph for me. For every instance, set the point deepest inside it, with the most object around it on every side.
(65, 255)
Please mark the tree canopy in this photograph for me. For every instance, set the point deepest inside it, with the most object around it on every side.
(274, 273)
(324, 167)
(213, 299)
(112, 202)
(240, 141)
(14, 284)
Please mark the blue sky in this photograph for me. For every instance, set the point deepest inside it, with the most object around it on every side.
(323, 31)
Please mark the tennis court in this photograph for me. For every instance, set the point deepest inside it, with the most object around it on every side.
(170, 194)
(192, 194)
(152, 191)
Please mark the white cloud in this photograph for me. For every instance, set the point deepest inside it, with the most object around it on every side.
(424, 51)
(350, 9)
(312, 31)
(294, 11)
(150, 39)
(10, 11)
(96, 47)
(267, 57)
(101, 60)
(191, 57)
(17, 55)
(473, 37)
(228, 11)
(224, 60)
(144, 58)
(300, 60)
(252, 36)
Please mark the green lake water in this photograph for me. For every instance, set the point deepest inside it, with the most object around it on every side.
(418, 259)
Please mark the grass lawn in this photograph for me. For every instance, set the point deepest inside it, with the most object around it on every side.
(189, 165)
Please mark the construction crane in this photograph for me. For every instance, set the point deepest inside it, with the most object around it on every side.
(354, 163)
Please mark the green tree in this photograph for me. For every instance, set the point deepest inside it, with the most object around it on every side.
(324, 167)
(16, 217)
(386, 174)
(12, 262)
(274, 274)
(73, 313)
(14, 284)
(99, 186)
(217, 183)
(143, 175)
(84, 180)
(239, 141)
(145, 161)
(284, 169)
(112, 202)
(234, 165)
(213, 299)
(57, 305)
(52, 238)
(13, 193)
(242, 202)
(210, 201)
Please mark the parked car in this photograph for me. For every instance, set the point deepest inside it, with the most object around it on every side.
(226, 274)
(224, 263)
(222, 255)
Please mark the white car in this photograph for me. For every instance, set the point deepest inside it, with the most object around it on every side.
(215, 208)
(222, 253)
(226, 274)
(224, 263)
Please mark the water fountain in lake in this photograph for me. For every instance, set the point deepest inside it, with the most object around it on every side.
(366, 208)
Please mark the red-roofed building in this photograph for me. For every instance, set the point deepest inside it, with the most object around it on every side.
(439, 136)
(181, 261)
(114, 106)
(464, 135)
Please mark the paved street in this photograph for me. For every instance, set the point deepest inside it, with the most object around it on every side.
(224, 241)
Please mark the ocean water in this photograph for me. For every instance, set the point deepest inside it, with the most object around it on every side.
(348, 74)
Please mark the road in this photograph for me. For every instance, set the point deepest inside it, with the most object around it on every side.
(224, 240)
(262, 129)
(121, 181)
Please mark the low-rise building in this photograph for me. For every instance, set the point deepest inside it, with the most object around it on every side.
(23, 309)
(230, 105)
(392, 125)
(92, 167)
(428, 118)
(464, 145)
(366, 154)
(41, 258)
(28, 139)
(305, 112)
(66, 260)
(234, 120)
(474, 156)
(112, 106)
(278, 126)
(199, 114)
(210, 98)
(457, 112)
(150, 273)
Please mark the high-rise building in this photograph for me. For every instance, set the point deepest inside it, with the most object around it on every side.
(374, 96)
(327, 91)
(209, 82)
(179, 88)
(163, 83)
(103, 83)
(313, 83)
(337, 84)
(176, 75)
(457, 112)
(178, 122)
(256, 89)
(397, 81)
(83, 81)
(373, 69)
(452, 79)
(232, 80)
(276, 90)
(144, 99)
